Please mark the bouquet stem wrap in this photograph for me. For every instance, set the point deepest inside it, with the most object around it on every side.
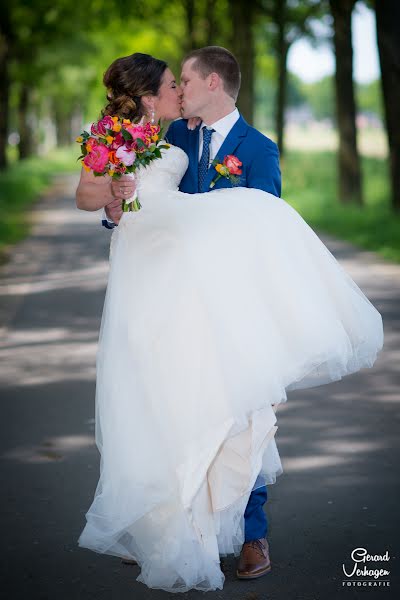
(132, 204)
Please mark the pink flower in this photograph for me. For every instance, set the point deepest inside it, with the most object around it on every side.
(97, 158)
(100, 128)
(137, 131)
(126, 156)
(233, 164)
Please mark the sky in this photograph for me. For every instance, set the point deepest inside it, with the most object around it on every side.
(311, 64)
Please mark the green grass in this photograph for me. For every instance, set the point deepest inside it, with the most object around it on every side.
(309, 185)
(21, 185)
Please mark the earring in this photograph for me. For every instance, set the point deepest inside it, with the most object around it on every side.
(152, 116)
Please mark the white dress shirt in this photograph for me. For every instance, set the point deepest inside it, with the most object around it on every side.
(222, 127)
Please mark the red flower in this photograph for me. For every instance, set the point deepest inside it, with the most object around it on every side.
(155, 129)
(233, 163)
(117, 142)
(100, 128)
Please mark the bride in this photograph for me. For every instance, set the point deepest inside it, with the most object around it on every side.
(217, 304)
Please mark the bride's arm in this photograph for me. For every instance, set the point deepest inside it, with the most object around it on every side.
(93, 192)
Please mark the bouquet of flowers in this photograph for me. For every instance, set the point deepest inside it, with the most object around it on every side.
(116, 147)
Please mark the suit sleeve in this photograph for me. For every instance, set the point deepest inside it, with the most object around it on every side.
(264, 172)
(170, 135)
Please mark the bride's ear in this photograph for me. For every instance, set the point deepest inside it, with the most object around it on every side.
(148, 103)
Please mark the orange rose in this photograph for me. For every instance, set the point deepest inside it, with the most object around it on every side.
(112, 158)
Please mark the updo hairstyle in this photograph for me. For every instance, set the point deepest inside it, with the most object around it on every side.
(129, 78)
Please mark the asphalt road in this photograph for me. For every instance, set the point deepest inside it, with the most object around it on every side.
(339, 443)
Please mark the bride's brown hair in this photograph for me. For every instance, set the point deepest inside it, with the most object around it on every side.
(129, 78)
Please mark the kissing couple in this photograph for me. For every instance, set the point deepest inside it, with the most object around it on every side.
(220, 299)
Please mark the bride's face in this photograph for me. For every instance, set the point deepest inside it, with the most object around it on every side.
(167, 104)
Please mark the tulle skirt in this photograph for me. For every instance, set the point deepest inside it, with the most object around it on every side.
(217, 304)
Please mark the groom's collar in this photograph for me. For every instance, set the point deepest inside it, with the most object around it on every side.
(224, 125)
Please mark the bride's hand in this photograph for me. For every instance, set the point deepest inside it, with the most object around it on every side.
(193, 122)
(123, 188)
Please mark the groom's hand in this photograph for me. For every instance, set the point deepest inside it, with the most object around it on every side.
(114, 210)
(193, 122)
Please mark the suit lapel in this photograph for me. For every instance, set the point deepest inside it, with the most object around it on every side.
(232, 141)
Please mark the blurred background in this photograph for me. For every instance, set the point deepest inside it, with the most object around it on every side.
(323, 80)
(320, 78)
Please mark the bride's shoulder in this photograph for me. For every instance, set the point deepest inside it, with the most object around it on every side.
(174, 152)
(176, 149)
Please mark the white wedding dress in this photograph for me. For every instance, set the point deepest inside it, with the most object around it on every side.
(216, 305)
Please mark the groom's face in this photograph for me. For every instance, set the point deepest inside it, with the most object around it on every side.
(195, 89)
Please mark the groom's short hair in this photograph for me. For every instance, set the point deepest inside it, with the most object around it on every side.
(215, 59)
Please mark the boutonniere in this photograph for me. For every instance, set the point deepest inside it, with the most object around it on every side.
(229, 168)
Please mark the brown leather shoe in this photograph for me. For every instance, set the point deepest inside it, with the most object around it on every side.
(128, 561)
(254, 560)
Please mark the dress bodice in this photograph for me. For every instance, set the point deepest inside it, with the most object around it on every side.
(164, 173)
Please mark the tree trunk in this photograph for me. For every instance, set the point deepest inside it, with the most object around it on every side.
(4, 104)
(349, 161)
(189, 6)
(63, 128)
(211, 22)
(25, 126)
(282, 48)
(5, 56)
(387, 26)
(243, 49)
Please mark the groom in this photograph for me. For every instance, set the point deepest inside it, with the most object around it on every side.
(210, 83)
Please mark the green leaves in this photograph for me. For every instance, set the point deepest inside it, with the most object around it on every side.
(140, 143)
(126, 135)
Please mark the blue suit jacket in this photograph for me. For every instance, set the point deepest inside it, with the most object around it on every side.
(259, 155)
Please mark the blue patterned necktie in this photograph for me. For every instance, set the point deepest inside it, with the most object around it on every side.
(205, 157)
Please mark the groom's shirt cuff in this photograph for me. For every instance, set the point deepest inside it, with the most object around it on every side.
(105, 222)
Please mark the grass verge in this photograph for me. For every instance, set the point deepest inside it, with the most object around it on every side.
(310, 184)
(21, 185)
